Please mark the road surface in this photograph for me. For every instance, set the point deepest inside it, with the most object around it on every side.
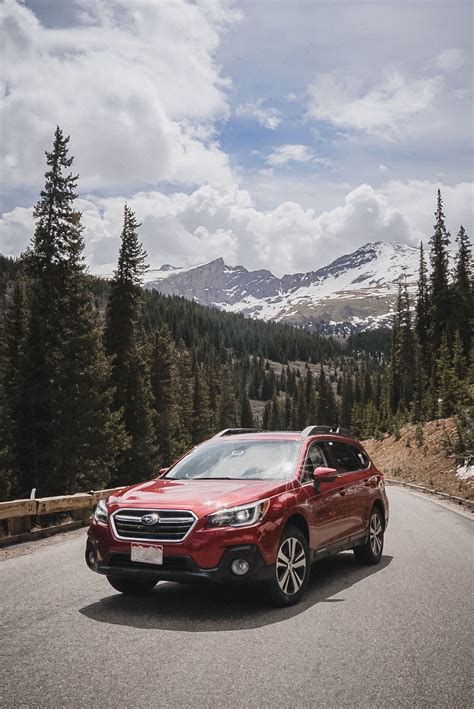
(394, 635)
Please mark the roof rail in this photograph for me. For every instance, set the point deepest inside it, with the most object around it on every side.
(236, 431)
(337, 430)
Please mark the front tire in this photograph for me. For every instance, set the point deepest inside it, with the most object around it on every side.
(371, 552)
(131, 587)
(292, 569)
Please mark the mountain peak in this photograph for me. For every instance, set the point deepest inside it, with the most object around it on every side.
(354, 291)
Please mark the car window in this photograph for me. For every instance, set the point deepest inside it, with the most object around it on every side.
(226, 458)
(361, 456)
(315, 458)
(345, 456)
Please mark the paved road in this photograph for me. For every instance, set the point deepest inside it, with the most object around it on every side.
(394, 635)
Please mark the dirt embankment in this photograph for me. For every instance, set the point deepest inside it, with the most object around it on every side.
(419, 456)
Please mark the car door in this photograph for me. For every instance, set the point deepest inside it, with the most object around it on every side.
(326, 507)
(351, 468)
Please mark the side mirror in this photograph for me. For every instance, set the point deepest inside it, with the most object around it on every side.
(324, 475)
(162, 472)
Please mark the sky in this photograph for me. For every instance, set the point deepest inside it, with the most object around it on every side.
(277, 134)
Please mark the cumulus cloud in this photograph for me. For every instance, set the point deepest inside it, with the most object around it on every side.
(214, 221)
(385, 109)
(135, 83)
(450, 59)
(265, 115)
(284, 154)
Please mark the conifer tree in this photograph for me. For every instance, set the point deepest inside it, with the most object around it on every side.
(440, 292)
(463, 291)
(227, 404)
(72, 438)
(275, 415)
(404, 347)
(445, 381)
(14, 397)
(125, 344)
(185, 399)
(326, 407)
(422, 310)
(246, 416)
(165, 387)
(202, 414)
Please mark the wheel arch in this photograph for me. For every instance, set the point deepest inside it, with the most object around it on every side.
(299, 520)
(378, 504)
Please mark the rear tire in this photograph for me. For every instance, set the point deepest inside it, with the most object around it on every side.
(131, 586)
(371, 552)
(291, 569)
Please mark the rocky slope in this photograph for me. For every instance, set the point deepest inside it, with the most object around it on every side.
(356, 291)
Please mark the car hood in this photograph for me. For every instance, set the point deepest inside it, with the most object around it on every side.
(200, 496)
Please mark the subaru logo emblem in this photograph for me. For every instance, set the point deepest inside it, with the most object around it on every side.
(152, 518)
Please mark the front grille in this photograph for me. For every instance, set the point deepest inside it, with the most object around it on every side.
(173, 525)
(170, 563)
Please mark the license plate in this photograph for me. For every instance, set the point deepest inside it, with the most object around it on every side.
(146, 554)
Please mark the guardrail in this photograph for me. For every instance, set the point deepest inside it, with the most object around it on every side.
(436, 493)
(23, 517)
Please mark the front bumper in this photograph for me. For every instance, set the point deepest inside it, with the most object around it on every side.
(182, 568)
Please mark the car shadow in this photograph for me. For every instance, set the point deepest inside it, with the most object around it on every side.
(198, 609)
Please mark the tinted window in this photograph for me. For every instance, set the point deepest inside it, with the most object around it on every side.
(345, 457)
(361, 457)
(314, 459)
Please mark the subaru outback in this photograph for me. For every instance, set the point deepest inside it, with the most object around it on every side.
(245, 507)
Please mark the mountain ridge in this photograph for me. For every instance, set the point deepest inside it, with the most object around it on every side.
(355, 291)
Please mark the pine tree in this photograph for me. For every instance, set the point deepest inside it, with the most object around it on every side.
(326, 407)
(246, 416)
(72, 439)
(445, 380)
(227, 403)
(422, 310)
(125, 344)
(14, 397)
(440, 293)
(185, 399)
(165, 386)
(202, 414)
(463, 292)
(404, 347)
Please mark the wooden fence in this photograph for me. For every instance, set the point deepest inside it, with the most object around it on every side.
(21, 520)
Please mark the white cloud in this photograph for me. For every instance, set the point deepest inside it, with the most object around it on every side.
(214, 221)
(267, 117)
(385, 109)
(136, 85)
(284, 154)
(450, 60)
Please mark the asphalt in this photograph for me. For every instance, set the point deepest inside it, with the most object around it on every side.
(395, 635)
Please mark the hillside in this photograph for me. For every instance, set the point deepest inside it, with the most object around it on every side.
(354, 292)
(423, 459)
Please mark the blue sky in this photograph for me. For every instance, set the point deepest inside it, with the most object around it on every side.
(278, 135)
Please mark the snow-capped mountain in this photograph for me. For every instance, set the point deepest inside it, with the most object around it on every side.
(356, 291)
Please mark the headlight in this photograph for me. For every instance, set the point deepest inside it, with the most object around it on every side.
(242, 516)
(100, 513)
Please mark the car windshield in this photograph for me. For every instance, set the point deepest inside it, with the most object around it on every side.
(238, 460)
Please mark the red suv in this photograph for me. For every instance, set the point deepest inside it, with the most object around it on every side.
(246, 507)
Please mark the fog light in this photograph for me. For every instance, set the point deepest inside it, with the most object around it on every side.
(240, 567)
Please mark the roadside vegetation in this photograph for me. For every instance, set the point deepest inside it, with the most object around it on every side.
(101, 382)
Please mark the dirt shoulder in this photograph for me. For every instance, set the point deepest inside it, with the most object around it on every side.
(422, 460)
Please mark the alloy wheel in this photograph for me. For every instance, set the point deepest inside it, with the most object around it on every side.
(291, 566)
(375, 534)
